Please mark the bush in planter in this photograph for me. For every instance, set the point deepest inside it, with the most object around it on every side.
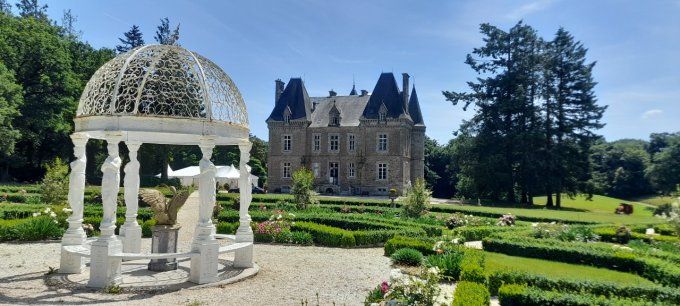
(417, 198)
(408, 257)
(471, 294)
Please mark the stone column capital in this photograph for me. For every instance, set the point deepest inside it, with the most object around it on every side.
(133, 145)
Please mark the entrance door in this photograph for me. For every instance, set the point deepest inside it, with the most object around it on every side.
(333, 173)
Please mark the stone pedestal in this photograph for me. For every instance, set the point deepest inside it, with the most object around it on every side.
(164, 240)
(104, 269)
(72, 263)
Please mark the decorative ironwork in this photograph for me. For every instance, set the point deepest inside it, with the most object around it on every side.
(163, 81)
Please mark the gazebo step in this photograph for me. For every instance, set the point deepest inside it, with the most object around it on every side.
(234, 247)
(77, 250)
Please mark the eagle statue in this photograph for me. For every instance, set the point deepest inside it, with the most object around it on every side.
(164, 210)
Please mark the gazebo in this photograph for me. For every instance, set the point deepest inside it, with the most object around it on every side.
(164, 95)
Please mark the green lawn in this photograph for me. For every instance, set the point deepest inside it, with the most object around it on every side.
(600, 209)
(502, 262)
(656, 200)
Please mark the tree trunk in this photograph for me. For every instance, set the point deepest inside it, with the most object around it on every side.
(165, 163)
(558, 199)
(549, 202)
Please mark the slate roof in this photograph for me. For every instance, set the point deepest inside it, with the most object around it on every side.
(295, 97)
(354, 91)
(414, 108)
(385, 91)
(350, 107)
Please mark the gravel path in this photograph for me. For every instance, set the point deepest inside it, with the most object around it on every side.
(288, 274)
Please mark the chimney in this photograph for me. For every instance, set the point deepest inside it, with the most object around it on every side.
(332, 93)
(279, 89)
(364, 92)
(404, 89)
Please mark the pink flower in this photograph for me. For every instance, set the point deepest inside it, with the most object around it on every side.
(384, 287)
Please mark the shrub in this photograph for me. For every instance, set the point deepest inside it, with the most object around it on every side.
(410, 290)
(448, 264)
(39, 228)
(460, 219)
(623, 234)
(506, 220)
(293, 237)
(408, 257)
(424, 245)
(478, 232)
(417, 198)
(327, 235)
(471, 294)
(303, 188)
(146, 227)
(227, 227)
(54, 186)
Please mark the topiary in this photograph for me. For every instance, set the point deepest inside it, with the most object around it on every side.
(408, 257)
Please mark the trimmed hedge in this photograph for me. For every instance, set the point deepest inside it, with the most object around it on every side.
(227, 227)
(31, 229)
(19, 211)
(447, 208)
(472, 267)
(470, 294)
(327, 235)
(661, 228)
(472, 233)
(655, 269)
(609, 234)
(424, 245)
(608, 289)
(520, 295)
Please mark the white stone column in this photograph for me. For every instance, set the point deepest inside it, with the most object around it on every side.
(243, 258)
(75, 235)
(104, 270)
(131, 232)
(204, 265)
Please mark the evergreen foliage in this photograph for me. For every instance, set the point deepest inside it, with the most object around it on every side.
(303, 188)
(417, 198)
(54, 186)
(535, 117)
(132, 39)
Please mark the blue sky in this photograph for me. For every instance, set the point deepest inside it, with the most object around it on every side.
(635, 43)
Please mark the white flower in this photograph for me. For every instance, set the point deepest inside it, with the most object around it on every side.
(455, 240)
(433, 270)
(35, 214)
(534, 224)
(66, 210)
(55, 221)
(53, 215)
(47, 210)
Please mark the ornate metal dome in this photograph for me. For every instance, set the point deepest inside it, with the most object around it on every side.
(163, 81)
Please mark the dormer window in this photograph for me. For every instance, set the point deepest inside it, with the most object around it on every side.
(334, 116)
(382, 113)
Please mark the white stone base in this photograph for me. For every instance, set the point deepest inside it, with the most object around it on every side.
(131, 235)
(105, 270)
(71, 263)
(203, 267)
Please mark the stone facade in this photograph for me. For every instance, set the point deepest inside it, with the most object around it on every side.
(350, 149)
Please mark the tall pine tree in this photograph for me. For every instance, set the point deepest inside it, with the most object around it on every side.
(31, 8)
(571, 116)
(133, 39)
(164, 35)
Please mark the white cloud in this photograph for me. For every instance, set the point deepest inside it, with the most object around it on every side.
(651, 113)
(529, 8)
